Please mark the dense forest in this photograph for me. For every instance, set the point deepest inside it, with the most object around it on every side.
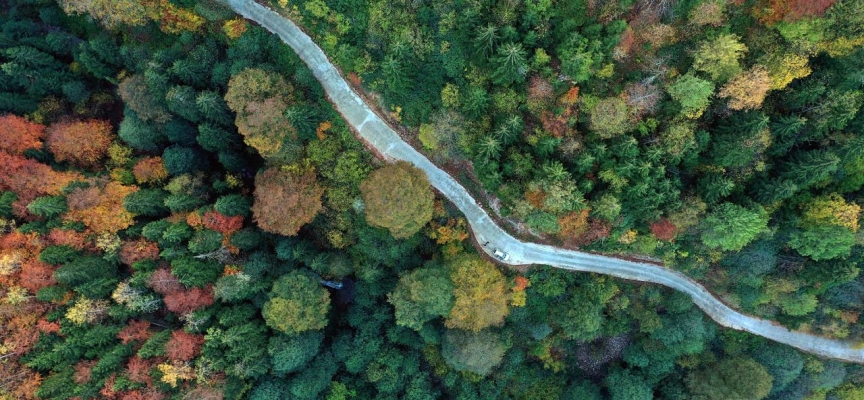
(183, 215)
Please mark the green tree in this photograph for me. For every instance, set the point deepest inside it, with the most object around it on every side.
(138, 133)
(215, 139)
(149, 202)
(476, 352)
(179, 160)
(292, 353)
(626, 385)
(48, 207)
(610, 117)
(297, 304)
(511, 64)
(693, 93)
(398, 197)
(823, 242)
(422, 295)
(233, 205)
(181, 101)
(730, 226)
(719, 58)
(732, 378)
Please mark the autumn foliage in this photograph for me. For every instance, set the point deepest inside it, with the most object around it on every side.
(150, 170)
(30, 179)
(213, 220)
(35, 275)
(100, 206)
(163, 282)
(574, 224)
(399, 198)
(186, 301)
(285, 201)
(178, 298)
(83, 143)
(480, 295)
(183, 346)
(773, 11)
(137, 250)
(18, 134)
(135, 331)
(664, 230)
(67, 237)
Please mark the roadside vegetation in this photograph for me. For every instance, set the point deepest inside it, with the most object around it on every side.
(176, 195)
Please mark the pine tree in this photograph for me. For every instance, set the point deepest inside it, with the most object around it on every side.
(48, 207)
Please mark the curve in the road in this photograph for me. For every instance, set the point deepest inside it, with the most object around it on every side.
(384, 139)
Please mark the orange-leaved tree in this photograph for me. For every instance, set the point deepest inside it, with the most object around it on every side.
(285, 200)
(82, 143)
(100, 206)
(30, 179)
(18, 134)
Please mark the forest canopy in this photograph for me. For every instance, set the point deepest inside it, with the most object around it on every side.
(184, 215)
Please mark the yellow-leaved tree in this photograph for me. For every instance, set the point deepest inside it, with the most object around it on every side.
(480, 292)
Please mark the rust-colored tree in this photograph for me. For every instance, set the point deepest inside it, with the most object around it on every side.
(285, 200)
(573, 224)
(83, 371)
(164, 282)
(664, 230)
(36, 275)
(18, 134)
(137, 250)
(186, 301)
(223, 224)
(135, 331)
(183, 346)
(138, 369)
(82, 143)
(597, 229)
(100, 206)
(67, 237)
(773, 11)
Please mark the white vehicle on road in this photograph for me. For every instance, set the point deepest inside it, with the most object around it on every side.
(501, 255)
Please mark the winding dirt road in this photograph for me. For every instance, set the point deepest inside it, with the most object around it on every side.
(379, 135)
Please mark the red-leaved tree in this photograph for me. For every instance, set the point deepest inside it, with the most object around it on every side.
(773, 11)
(285, 201)
(36, 275)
